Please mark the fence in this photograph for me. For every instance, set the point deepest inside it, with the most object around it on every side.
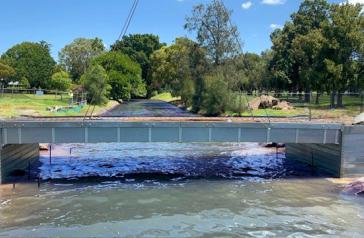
(307, 105)
(41, 94)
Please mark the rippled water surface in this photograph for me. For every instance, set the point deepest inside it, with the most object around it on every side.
(220, 190)
(191, 208)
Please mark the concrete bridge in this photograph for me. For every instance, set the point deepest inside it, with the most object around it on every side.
(334, 148)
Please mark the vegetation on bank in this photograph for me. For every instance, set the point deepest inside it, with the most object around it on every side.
(321, 49)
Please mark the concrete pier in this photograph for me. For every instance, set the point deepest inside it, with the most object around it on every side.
(343, 160)
(322, 158)
(16, 157)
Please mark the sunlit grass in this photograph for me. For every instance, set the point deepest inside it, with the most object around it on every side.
(16, 105)
(167, 97)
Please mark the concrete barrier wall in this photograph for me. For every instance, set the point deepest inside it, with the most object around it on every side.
(353, 151)
(323, 158)
(16, 157)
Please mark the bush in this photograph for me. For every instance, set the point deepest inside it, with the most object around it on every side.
(216, 95)
(61, 81)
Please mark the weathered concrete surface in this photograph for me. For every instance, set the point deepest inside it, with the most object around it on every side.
(323, 158)
(353, 151)
(16, 157)
(343, 160)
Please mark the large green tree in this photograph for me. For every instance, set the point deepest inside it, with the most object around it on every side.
(61, 81)
(180, 68)
(124, 76)
(214, 30)
(31, 61)
(94, 82)
(76, 57)
(344, 49)
(6, 71)
(139, 47)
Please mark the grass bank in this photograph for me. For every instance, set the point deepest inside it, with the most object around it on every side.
(352, 106)
(17, 105)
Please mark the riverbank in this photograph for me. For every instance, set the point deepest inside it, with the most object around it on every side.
(318, 112)
(20, 105)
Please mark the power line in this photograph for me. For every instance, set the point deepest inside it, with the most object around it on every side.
(123, 32)
(128, 20)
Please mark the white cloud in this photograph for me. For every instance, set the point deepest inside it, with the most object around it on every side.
(246, 5)
(273, 2)
(275, 26)
(356, 1)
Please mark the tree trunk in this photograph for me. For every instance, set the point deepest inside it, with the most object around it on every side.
(339, 103)
(300, 96)
(318, 94)
(332, 99)
(307, 96)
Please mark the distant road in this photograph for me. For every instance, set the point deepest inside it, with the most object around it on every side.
(147, 108)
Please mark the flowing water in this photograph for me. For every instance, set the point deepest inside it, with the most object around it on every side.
(177, 190)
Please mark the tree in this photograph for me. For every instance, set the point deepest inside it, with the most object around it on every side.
(180, 68)
(124, 76)
(139, 47)
(345, 35)
(216, 95)
(61, 81)
(32, 61)
(94, 82)
(76, 57)
(297, 49)
(6, 71)
(211, 22)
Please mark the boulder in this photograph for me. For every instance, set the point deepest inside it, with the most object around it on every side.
(269, 102)
(359, 119)
(283, 105)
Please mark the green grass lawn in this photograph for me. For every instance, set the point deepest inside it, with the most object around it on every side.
(322, 110)
(167, 97)
(16, 105)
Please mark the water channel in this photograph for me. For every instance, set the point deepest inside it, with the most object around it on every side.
(176, 190)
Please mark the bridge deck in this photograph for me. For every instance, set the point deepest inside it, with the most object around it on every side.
(157, 130)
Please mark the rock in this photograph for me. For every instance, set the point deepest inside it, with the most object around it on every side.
(269, 102)
(355, 188)
(283, 105)
(359, 119)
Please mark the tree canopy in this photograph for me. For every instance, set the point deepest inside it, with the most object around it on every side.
(124, 76)
(31, 61)
(6, 71)
(61, 81)
(139, 47)
(94, 82)
(76, 57)
(214, 30)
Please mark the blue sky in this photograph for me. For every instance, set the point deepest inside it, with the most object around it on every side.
(60, 21)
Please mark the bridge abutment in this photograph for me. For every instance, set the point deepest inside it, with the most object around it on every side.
(342, 160)
(16, 158)
(352, 152)
(323, 158)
